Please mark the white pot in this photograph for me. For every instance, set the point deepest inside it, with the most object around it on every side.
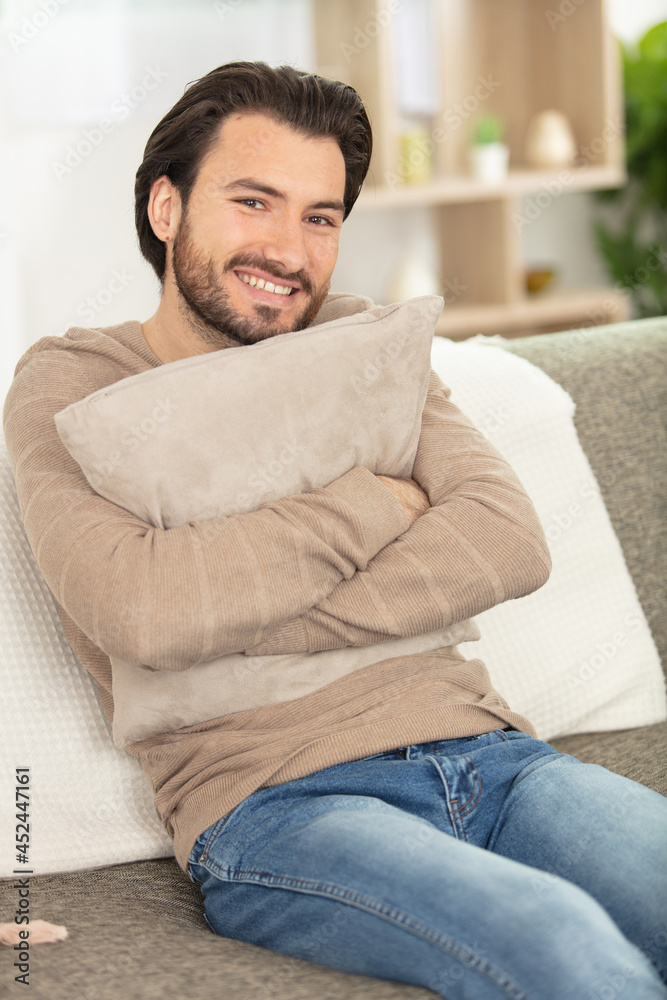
(489, 162)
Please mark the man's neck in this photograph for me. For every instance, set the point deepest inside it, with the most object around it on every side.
(171, 334)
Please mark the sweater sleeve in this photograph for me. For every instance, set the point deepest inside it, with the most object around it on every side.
(478, 545)
(173, 598)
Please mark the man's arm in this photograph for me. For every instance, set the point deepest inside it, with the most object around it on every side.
(479, 544)
(173, 598)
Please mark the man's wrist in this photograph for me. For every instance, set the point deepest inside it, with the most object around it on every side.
(409, 494)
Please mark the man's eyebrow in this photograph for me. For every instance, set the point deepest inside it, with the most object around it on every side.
(249, 184)
(336, 206)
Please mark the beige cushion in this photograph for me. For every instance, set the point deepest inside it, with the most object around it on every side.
(225, 432)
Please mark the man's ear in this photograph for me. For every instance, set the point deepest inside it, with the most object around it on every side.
(164, 209)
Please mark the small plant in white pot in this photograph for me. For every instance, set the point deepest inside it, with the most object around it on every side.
(489, 155)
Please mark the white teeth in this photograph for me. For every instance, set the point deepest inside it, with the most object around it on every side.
(268, 286)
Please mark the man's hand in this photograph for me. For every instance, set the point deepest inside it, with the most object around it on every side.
(409, 494)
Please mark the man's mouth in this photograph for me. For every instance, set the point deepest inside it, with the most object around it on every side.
(265, 285)
(268, 286)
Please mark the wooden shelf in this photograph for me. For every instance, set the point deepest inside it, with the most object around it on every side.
(460, 189)
(501, 57)
(565, 310)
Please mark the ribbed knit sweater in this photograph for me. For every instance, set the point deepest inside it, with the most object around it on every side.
(333, 567)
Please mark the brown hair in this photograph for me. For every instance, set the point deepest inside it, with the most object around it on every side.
(311, 105)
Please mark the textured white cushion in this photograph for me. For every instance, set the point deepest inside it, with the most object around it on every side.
(90, 804)
(577, 655)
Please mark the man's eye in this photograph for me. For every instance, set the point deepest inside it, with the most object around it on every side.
(320, 220)
(250, 202)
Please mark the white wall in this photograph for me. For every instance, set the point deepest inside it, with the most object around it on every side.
(67, 232)
(631, 18)
(68, 226)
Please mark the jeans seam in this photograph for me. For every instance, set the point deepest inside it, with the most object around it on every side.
(378, 908)
(473, 801)
(455, 812)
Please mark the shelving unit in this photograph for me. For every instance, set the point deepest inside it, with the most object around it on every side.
(532, 58)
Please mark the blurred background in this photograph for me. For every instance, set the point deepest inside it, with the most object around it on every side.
(83, 84)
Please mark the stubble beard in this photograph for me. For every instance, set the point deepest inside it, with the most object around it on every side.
(206, 305)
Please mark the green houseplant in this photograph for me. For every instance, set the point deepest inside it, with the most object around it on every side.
(487, 129)
(489, 156)
(633, 242)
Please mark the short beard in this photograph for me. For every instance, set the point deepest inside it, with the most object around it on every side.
(205, 302)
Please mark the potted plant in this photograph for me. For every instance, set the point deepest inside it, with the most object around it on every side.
(489, 155)
(633, 238)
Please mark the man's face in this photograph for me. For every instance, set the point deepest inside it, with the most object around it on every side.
(267, 207)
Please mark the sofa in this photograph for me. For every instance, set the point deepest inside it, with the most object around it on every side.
(137, 930)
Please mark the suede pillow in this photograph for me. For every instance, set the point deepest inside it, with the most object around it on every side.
(225, 432)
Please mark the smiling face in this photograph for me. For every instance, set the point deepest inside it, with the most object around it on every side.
(254, 251)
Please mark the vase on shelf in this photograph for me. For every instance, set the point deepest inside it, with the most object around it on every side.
(550, 141)
(416, 162)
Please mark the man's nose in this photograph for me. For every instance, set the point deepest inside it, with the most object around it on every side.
(286, 245)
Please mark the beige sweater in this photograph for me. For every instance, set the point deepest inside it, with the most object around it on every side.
(334, 567)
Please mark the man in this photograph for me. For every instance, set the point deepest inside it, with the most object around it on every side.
(404, 808)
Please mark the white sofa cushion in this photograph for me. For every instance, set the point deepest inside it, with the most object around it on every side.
(577, 655)
(90, 803)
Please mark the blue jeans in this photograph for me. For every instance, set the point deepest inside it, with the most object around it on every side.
(480, 868)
